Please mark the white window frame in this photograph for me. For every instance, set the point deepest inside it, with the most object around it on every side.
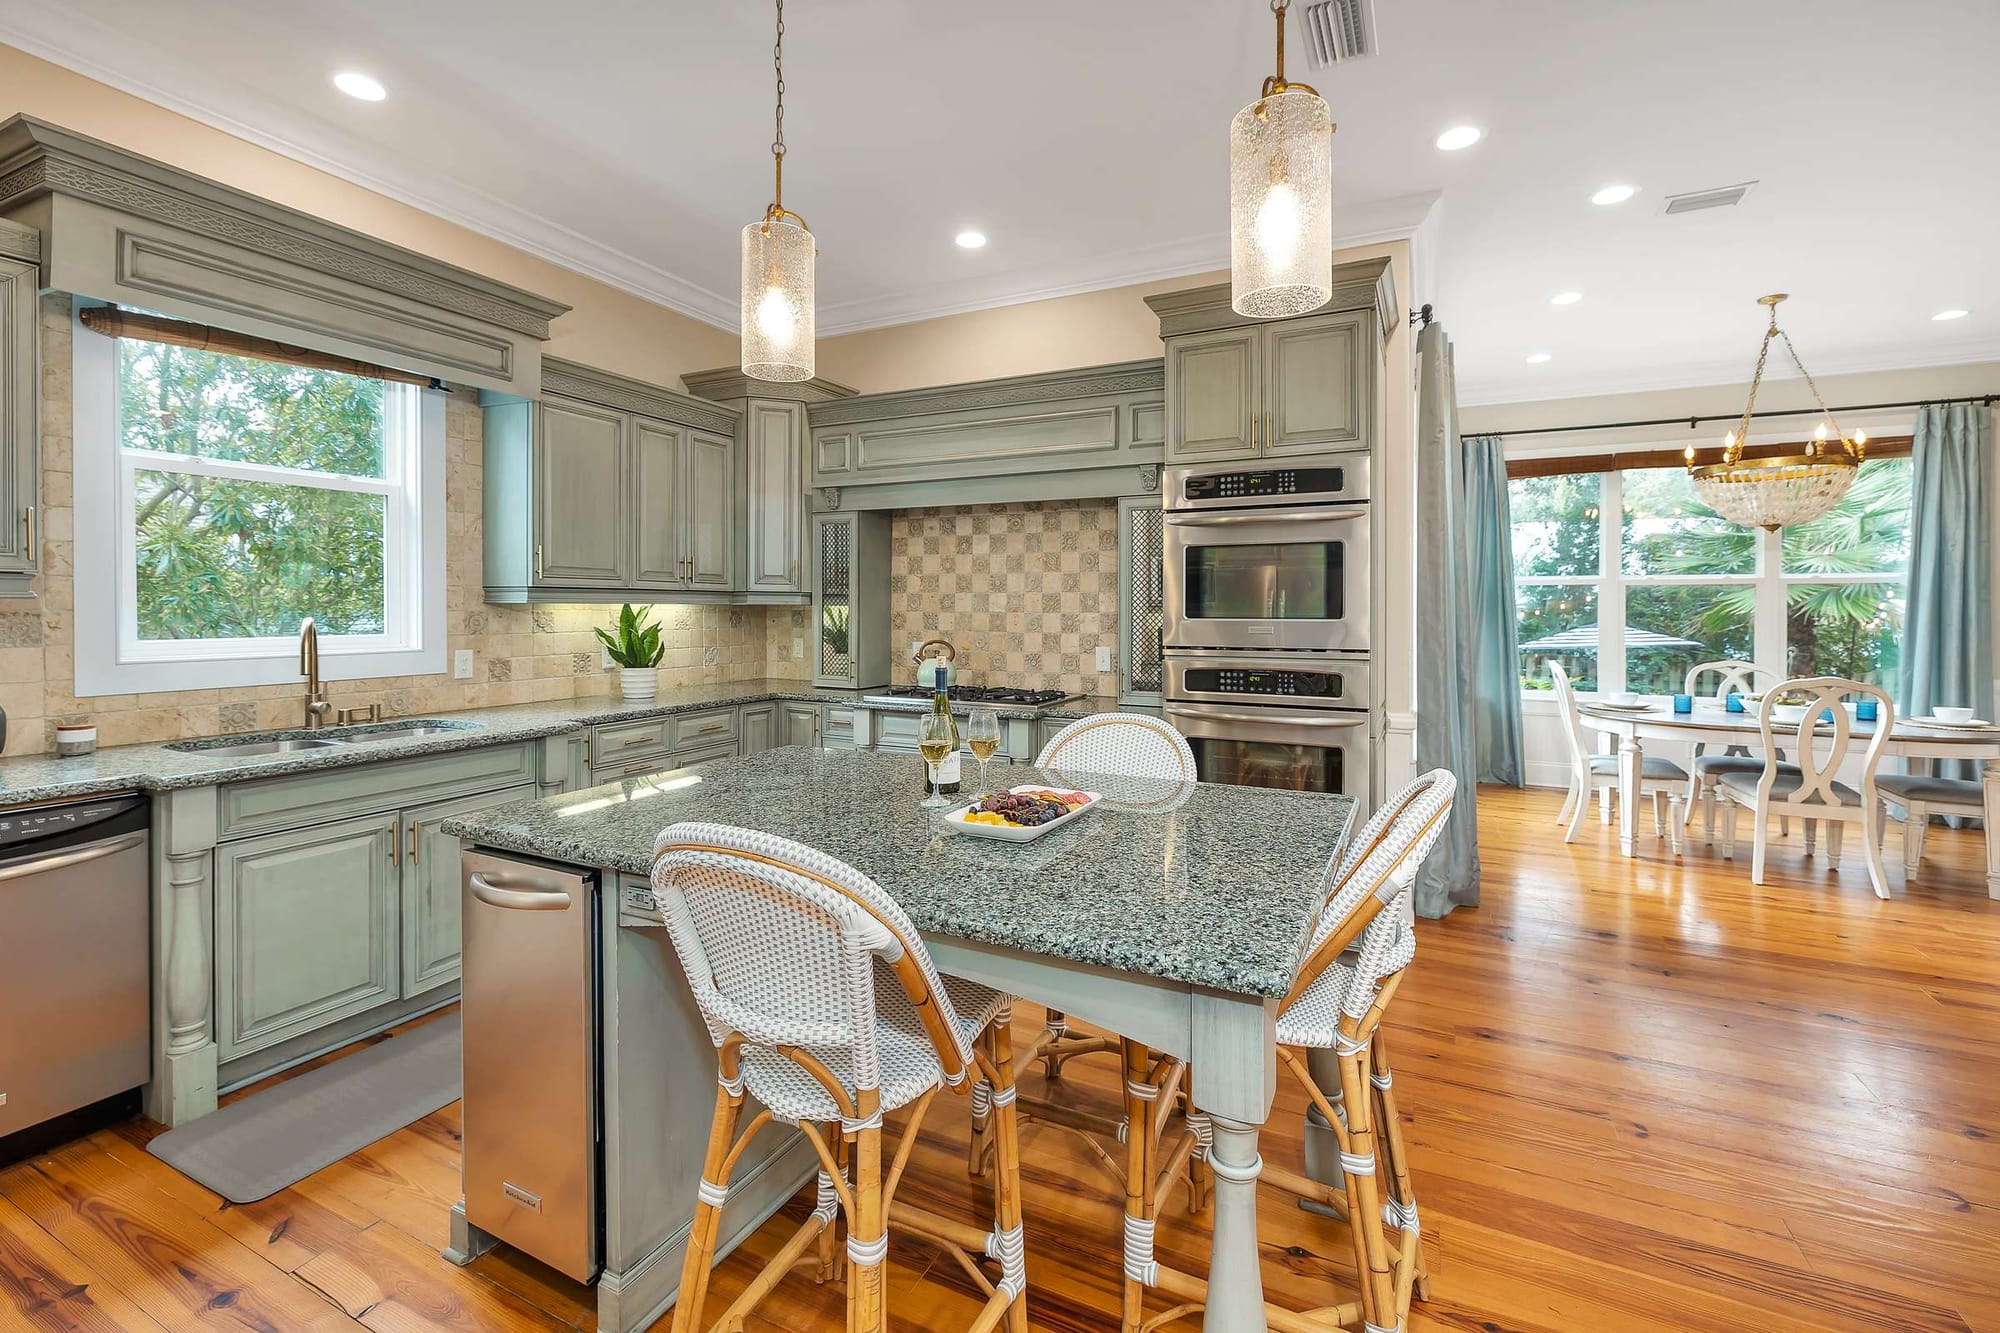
(1773, 588)
(110, 656)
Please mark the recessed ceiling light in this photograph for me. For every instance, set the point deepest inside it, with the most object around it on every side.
(359, 85)
(1538, 358)
(1951, 314)
(971, 240)
(1565, 298)
(1459, 136)
(1614, 194)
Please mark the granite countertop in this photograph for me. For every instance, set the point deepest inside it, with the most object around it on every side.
(157, 767)
(1210, 885)
(1068, 710)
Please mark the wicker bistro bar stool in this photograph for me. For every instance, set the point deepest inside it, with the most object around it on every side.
(824, 1005)
(1329, 1035)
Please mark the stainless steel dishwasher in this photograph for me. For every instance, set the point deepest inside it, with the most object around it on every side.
(75, 967)
(529, 1007)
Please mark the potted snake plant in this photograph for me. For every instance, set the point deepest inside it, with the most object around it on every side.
(635, 646)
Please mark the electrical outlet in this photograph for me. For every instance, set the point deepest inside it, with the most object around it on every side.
(916, 646)
(461, 664)
(798, 649)
(604, 662)
(1103, 659)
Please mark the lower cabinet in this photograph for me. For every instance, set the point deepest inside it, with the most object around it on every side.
(757, 724)
(798, 724)
(318, 924)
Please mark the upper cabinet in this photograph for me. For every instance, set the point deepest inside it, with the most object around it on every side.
(770, 543)
(20, 387)
(610, 490)
(1239, 388)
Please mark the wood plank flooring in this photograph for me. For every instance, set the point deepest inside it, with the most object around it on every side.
(1642, 1096)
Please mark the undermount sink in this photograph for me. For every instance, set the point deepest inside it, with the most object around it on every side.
(243, 748)
(409, 732)
(292, 742)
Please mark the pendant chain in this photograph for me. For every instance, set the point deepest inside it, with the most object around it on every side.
(778, 138)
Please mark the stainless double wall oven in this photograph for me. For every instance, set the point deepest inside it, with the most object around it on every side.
(1268, 616)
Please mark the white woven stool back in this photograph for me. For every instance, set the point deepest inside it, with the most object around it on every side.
(780, 945)
(1128, 744)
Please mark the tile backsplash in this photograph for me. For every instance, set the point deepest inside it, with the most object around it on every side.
(1027, 593)
(520, 654)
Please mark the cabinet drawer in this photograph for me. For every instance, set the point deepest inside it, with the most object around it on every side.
(290, 802)
(703, 756)
(611, 746)
(704, 729)
(837, 727)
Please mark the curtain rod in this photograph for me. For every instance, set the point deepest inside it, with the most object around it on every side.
(1984, 400)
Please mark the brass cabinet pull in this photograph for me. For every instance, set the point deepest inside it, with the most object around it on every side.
(414, 856)
(640, 740)
(1270, 438)
(538, 560)
(396, 848)
(28, 523)
(1253, 432)
(713, 726)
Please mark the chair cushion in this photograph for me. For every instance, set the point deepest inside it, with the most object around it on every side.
(1923, 788)
(1787, 785)
(1655, 769)
(1735, 763)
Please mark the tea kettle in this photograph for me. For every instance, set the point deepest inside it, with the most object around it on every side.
(936, 673)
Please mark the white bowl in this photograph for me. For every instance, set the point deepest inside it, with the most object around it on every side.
(1788, 713)
(1626, 697)
(1952, 714)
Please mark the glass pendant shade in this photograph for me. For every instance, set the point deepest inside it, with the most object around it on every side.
(778, 317)
(1281, 205)
(1774, 493)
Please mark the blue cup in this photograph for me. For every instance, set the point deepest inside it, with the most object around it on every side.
(1683, 703)
(1867, 710)
(1826, 715)
(1733, 703)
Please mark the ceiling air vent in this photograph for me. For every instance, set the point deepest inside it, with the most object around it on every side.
(1727, 197)
(1337, 30)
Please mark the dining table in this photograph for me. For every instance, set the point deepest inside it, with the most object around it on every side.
(1174, 914)
(1711, 722)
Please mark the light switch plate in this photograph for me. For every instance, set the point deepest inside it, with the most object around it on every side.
(798, 649)
(1104, 659)
(604, 661)
(461, 664)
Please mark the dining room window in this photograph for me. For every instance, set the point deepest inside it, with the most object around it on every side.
(1627, 579)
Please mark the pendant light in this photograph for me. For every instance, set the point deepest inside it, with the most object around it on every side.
(1771, 493)
(778, 253)
(1281, 197)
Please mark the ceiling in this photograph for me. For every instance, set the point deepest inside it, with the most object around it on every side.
(1089, 141)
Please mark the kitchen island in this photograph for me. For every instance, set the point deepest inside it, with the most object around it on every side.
(1176, 914)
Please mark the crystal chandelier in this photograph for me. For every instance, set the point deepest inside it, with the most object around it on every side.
(778, 257)
(1772, 493)
(1281, 197)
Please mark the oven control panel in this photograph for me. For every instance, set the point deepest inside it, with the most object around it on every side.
(1265, 484)
(1321, 685)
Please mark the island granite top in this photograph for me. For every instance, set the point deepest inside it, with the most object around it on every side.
(1210, 885)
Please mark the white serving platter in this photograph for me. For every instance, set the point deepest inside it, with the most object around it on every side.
(1014, 832)
(1970, 724)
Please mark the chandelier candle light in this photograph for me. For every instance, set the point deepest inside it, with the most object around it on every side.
(1281, 197)
(778, 253)
(1772, 493)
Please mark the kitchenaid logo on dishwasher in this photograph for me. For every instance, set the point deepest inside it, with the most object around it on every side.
(531, 1202)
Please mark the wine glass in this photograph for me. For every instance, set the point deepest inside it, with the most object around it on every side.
(982, 737)
(934, 742)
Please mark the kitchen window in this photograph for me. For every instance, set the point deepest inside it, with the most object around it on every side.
(1628, 580)
(221, 499)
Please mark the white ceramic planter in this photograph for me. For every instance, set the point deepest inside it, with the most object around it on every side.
(639, 684)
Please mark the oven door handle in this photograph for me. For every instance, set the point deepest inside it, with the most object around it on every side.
(1207, 716)
(1330, 514)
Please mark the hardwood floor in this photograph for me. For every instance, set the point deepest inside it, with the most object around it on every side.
(1643, 1096)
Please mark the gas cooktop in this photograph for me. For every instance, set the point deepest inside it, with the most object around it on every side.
(976, 694)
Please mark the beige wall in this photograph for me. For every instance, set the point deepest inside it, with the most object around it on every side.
(606, 328)
(520, 654)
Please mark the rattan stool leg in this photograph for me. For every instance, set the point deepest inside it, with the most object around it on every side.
(867, 1233)
(1395, 1156)
(700, 1257)
(1139, 1267)
(1007, 1201)
(1364, 1190)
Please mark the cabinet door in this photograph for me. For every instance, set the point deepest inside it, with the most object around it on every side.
(757, 725)
(798, 724)
(1212, 395)
(1316, 395)
(431, 890)
(774, 486)
(709, 513)
(579, 496)
(20, 388)
(659, 458)
(305, 929)
(833, 599)
(1142, 599)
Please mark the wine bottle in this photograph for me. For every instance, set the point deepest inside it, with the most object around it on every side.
(946, 771)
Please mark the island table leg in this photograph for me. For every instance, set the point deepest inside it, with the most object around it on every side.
(1235, 1281)
(1631, 764)
(1992, 829)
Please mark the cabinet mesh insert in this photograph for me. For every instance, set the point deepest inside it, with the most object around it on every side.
(1145, 573)
(836, 601)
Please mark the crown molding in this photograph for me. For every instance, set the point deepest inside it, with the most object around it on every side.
(571, 379)
(729, 383)
(1050, 386)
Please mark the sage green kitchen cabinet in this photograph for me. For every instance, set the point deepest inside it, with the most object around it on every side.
(798, 724)
(756, 725)
(306, 927)
(850, 612)
(431, 890)
(20, 392)
(579, 477)
(659, 467)
(1212, 391)
(1142, 603)
(708, 511)
(1314, 384)
(774, 486)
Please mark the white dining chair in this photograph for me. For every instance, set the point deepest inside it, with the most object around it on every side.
(1597, 774)
(1920, 796)
(1732, 677)
(1809, 788)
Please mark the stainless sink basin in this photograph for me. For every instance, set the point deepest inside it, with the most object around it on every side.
(409, 731)
(246, 748)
